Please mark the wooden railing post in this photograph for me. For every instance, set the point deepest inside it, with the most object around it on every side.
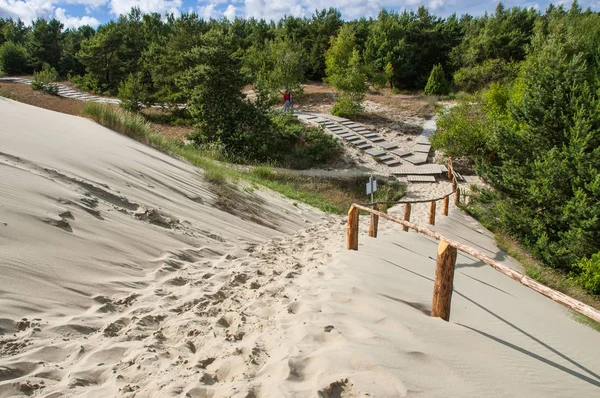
(374, 223)
(446, 204)
(449, 168)
(457, 198)
(432, 213)
(444, 278)
(352, 228)
(406, 216)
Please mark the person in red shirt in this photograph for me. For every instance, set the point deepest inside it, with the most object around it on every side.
(286, 101)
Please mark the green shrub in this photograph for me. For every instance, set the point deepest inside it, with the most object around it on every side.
(132, 93)
(13, 59)
(88, 82)
(461, 131)
(472, 78)
(437, 84)
(44, 80)
(588, 273)
(345, 107)
(299, 146)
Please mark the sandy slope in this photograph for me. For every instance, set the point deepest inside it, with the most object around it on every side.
(207, 304)
(101, 210)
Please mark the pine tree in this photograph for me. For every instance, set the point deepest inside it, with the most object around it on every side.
(437, 83)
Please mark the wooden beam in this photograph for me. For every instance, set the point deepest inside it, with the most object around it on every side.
(559, 297)
(374, 223)
(457, 197)
(444, 278)
(446, 204)
(352, 228)
(432, 213)
(406, 216)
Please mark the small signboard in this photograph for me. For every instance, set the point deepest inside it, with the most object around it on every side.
(371, 186)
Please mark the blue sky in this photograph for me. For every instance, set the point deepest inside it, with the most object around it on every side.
(74, 13)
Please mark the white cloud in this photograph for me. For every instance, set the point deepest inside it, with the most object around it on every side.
(274, 9)
(27, 10)
(75, 22)
(229, 13)
(92, 3)
(207, 11)
(118, 7)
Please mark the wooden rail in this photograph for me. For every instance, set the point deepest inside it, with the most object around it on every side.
(451, 175)
(443, 295)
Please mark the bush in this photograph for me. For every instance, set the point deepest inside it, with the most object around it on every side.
(299, 146)
(345, 107)
(476, 77)
(588, 273)
(44, 80)
(437, 83)
(88, 82)
(13, 59)
(132, 93)
(461, 132)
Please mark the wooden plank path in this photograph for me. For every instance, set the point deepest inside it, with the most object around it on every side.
(383, 151)
(420, 178)
(67, 92)
(430, 169)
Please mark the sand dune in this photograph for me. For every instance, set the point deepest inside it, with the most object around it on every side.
(133, 284)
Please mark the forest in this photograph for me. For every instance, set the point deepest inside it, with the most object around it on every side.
(526, 84)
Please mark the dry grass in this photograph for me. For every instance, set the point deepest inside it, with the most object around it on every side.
(320, 96)
(23, 93)
(416, 104)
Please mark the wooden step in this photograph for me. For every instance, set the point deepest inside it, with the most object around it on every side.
(392, 162)
(401, 152)
(420, 178)
(375, 152)
(430, 169)
(387, 145)
(423, 148)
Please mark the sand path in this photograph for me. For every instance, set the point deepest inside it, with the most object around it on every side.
(154, 292)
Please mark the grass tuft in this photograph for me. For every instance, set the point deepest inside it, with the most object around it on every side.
(132, 125)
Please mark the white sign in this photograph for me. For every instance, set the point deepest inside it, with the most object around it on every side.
(371, 185)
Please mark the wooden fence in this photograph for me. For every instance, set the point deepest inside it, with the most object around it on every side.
(446, 258)
(451, 175)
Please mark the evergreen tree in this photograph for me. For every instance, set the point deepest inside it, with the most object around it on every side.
(437, 83)
(346, 73)
(13, 59)
(45, 44)
(213, 90)
(282, 67)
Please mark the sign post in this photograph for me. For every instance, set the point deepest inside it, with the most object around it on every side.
(371, 187)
